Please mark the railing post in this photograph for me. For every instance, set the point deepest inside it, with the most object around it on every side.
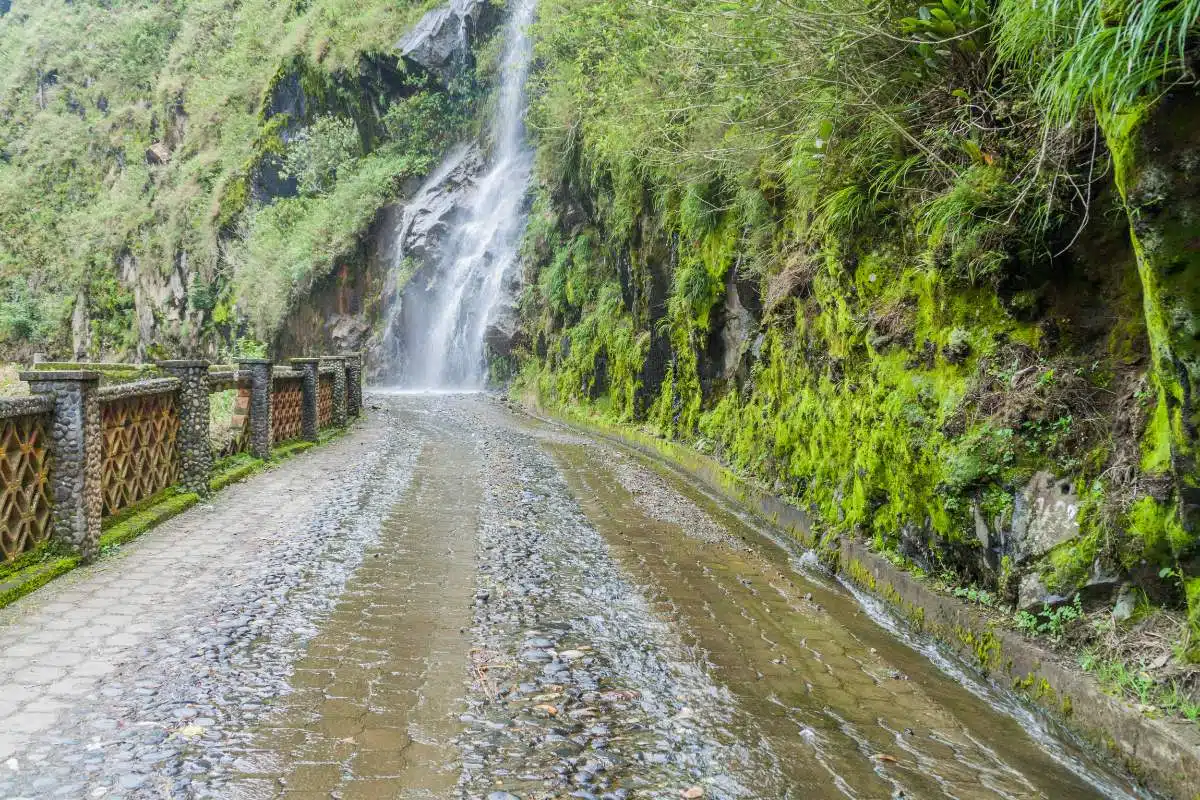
(192, 406)
(339, 390)
(309, 424)
(354, 367)
(259, 372)
(75, 441)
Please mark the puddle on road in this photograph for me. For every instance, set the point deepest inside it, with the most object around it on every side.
(846, 709)
(372, 714)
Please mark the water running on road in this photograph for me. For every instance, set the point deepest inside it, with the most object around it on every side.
(459, 602)
(631, 638)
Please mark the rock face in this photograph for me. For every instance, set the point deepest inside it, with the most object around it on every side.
(427, 218)
(161, 305)
(739, 327)
(339, 313)
(504, 332)
(441, 42)
(397, 261)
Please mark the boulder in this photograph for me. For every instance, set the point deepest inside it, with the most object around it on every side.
(1045, 515)
(157, 154)
(441, 42)
(1125, 606)
(504, 327)
(1033, 594)
(348, 332)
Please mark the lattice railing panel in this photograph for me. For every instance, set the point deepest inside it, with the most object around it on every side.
(140, 458)
(325, 401)
(24, 485)
(287, 409)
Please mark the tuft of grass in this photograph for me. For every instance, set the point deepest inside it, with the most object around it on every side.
(1134, 682)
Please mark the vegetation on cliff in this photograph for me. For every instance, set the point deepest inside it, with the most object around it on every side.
(920, 267)
(172, 174)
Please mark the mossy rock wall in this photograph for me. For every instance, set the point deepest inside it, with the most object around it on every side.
(895, 402)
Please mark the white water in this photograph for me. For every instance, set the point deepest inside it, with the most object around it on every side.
(444, 343)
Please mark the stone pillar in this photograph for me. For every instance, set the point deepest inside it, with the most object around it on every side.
(76, 455)
(312, 384)
(339, 389)
(354, 365)
(259, 372)
(192, 405)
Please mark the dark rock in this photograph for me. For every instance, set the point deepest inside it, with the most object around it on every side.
(158, 154)
(441, 42)
(1126, 604)
(1034, 595)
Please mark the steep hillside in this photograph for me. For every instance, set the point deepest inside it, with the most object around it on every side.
(173, 175)
(931, 271)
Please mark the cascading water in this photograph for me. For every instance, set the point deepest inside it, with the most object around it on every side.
(441, 344)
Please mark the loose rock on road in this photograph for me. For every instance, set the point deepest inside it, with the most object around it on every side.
(453, 600)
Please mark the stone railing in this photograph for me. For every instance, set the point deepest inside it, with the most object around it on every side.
(90, 443)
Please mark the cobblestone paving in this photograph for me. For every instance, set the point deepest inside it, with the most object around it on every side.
(135, 675)
(451, 602)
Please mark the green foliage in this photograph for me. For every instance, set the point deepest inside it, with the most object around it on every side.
(321, 152)
(975, 595)
(1052, 623)
(242, 347)
(1112, 57)
(1134, 682)
(88, 88)
(285, 247)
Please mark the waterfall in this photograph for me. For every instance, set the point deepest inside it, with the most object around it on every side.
(440, 345)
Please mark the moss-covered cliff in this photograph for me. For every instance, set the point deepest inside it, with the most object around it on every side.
(174, 176)
(927, 269)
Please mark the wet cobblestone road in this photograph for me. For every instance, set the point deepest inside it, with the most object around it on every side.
(455, 601)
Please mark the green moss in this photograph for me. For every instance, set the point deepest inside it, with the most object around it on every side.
(233, 469)
(133, 525)
(1156, 531)
(46, 551)
(1153, 156)
(109, 372)
(34, 577)
(1192, 589)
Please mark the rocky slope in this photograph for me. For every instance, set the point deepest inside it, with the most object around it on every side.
(174, 178)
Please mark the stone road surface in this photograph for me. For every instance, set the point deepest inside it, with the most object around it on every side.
(455, 601)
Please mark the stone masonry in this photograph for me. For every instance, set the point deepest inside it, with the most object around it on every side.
(339, 390)
(353, 384)
(75, 439)
(309, 367)
(259, 372)
(192, 405)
